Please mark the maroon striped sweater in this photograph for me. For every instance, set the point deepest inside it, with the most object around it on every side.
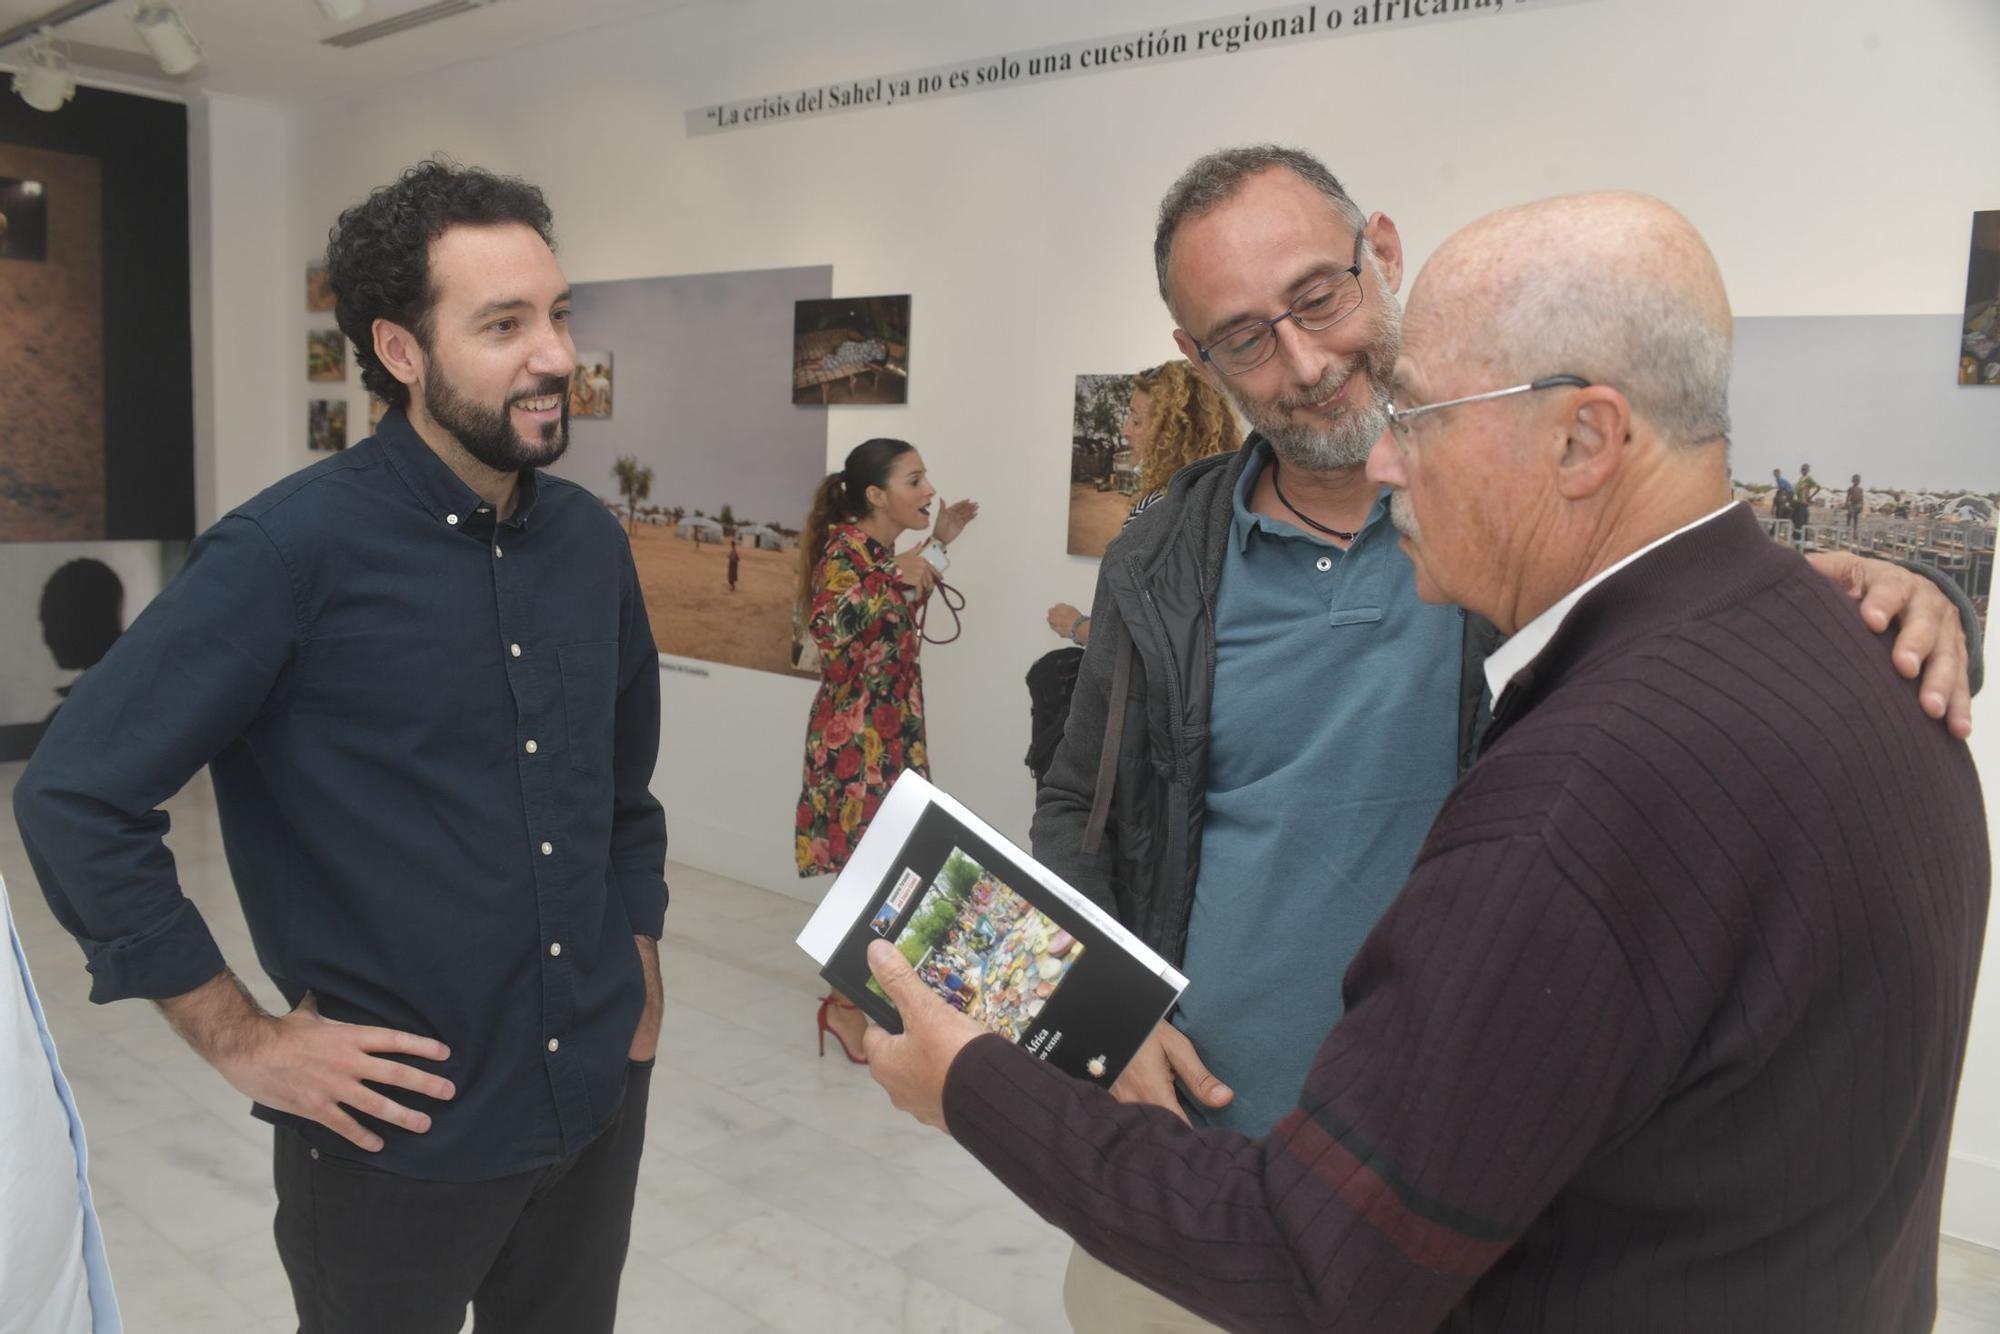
(1663, 1034)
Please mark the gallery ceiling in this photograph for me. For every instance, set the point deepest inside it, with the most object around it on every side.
(275, 48)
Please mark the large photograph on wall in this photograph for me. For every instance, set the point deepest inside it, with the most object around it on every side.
(709, 471)
(1103, 476)
(1979, 344)
(52, 347)
(94, 286)
(1845, 438)
(62, 606)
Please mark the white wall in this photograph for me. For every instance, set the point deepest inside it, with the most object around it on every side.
(1830, 153)
(249, 342)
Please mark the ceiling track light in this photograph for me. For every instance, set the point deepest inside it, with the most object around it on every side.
(46, 79)
(167, 37)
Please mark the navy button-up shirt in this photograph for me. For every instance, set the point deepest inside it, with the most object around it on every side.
(431, 736)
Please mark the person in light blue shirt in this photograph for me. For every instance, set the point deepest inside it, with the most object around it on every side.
(54, 1278)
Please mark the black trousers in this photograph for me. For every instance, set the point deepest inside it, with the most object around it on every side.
(370, 1252)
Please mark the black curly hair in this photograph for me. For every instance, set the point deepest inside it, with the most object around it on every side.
(378, 254)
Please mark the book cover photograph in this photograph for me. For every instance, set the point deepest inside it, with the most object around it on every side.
(994, 933)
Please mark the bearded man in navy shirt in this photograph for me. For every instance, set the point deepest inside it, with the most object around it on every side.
(421, 676)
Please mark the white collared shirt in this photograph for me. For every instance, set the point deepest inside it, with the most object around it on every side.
(1506, 662)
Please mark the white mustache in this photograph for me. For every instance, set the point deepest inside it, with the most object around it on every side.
(1402, 514)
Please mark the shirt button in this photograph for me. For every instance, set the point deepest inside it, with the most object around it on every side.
(555, 948)
(514, 649)
(314, 1153)
(498, 553)
(451, 519)
(553, 1044)
(1325, 564)
(547, 848)
(530, 747)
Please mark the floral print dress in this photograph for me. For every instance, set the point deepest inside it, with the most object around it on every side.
(867, 722)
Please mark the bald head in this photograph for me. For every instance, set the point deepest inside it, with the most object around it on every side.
(1615, 287)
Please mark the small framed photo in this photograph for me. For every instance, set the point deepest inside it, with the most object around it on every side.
(326, 425)
(319, 288)
(590, 387)
(851, 350)
(326, 355)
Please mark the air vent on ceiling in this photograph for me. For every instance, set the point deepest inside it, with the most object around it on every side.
(416, 18)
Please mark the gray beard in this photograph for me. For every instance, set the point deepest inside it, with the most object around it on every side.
(1345, 445)
(1347, 442)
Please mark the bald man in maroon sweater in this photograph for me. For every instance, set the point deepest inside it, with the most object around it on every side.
(1665, 1031)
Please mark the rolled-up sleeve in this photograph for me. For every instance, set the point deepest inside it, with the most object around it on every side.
(638, 823)
(179, 687)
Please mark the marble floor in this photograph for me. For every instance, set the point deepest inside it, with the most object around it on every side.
(776, 1192)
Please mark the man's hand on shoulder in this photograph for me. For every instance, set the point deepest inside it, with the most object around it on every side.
(305, 1064)
(1930, 645)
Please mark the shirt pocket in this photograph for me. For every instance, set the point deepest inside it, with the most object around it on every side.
(590, 696)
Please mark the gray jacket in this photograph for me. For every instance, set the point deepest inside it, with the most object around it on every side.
(1120, 811)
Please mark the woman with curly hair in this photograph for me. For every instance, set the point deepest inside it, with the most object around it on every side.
(1176, 417)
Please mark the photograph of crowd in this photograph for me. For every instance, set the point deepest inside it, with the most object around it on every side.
(1947, 529)
(990, 953)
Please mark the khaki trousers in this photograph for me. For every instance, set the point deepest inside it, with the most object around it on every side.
(1100, 1300)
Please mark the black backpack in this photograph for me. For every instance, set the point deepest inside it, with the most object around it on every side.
(1051, 681)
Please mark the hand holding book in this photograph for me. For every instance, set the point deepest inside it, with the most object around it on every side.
(912, 1068)
(991, 935)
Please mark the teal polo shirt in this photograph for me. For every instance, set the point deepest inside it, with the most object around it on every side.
(1333, 741)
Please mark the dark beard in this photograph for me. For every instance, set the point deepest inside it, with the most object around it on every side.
(489, 436)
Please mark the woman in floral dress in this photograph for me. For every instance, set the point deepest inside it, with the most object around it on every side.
(859, 602)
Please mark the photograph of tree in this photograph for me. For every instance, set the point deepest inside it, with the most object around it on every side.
(1102, 476)
(707, 470)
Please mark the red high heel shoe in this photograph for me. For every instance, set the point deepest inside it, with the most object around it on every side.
(833, 998)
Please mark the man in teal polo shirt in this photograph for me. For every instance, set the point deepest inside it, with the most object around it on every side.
(1268, 718)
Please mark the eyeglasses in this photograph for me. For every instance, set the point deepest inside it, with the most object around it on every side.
(1400, 418)
(1320, 307)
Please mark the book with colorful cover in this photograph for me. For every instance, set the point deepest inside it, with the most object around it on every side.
(994, 932)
